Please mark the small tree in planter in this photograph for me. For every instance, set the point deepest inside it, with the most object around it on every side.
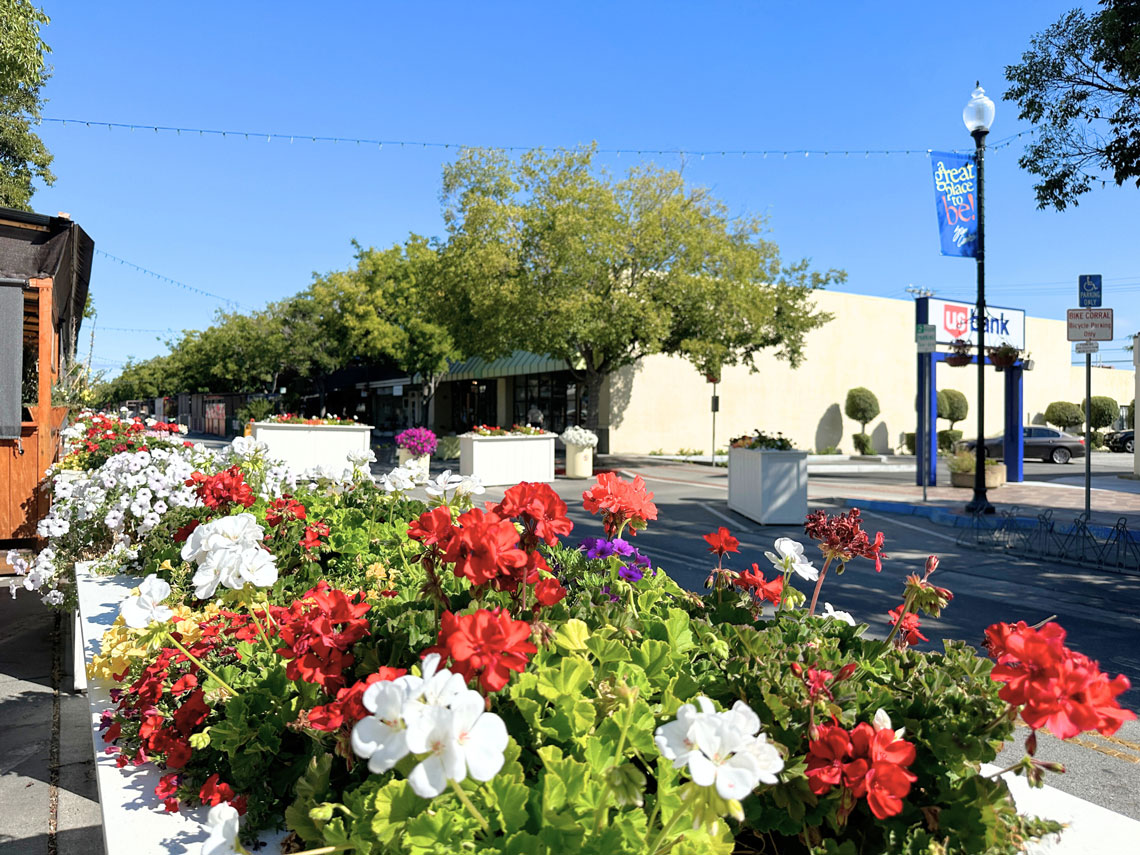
(1103, 413)
(862, 406)
(1064, 414)
(953, 407)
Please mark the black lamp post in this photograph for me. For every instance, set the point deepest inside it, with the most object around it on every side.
(978, 116)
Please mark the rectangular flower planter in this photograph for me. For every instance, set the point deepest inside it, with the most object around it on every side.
(995, 477)
(133, 819)
(507, 459)
(304, 446)
(769, 487)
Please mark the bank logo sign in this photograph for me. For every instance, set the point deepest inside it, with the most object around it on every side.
(953, 321)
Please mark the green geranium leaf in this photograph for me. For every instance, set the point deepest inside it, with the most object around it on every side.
(572, 636)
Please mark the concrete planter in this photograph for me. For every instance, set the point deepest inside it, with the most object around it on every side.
(305, 446)
(419, 464)
(507, 459)
(579, 461)
(132, 820)
(769, 487)
(995, 477)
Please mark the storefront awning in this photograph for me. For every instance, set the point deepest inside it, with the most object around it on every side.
(519, 362)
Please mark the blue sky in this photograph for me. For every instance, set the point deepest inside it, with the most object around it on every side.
(253, 220)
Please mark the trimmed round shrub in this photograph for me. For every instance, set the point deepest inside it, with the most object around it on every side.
(911, 443)
(1064, 414)
(863, 444)
(947, 439)
(1104, 411)
(952, 406)
(862, 406)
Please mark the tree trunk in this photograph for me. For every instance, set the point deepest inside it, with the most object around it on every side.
(594, 380)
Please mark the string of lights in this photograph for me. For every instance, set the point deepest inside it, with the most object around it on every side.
(270, 136)
(170, 281)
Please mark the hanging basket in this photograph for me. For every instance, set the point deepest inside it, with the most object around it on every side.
(1003, 360)
(957, 360)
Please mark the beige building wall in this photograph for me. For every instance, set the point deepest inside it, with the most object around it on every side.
(663, 403)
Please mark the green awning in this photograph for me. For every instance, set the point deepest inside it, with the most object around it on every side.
(519, 362)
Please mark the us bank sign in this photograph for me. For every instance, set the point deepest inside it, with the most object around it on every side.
(953, 321)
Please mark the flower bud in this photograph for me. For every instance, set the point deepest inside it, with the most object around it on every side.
(846, 671)
(1031, 743)
(931, 564)
(628, 784)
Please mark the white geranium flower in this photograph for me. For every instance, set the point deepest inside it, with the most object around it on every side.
(237, 530)
(828, 611)
(789, 557)
(146, 608)
(471, 485)
(724, 749)
(222, 820)
(233, 566)
(362, 458)
(381, 738)
(882, 721)
(245, 446)
(443, 484)
(460, 740)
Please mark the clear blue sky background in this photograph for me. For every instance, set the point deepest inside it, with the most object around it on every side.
(253, 220)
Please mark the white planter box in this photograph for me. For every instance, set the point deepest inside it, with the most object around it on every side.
(304, 446)
(507, 459)
(769, 487)
(133, 818)
(579, 461)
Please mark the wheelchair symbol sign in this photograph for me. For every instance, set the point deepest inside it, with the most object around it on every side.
(1089, 290)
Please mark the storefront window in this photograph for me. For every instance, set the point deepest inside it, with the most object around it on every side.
(559, 398)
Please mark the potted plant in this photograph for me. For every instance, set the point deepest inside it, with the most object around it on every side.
(767, 479)
(959, 354)
(580, 445)
(498, 455)
(305, 442)
(414, 448)
(963, 464)
(1003, 356)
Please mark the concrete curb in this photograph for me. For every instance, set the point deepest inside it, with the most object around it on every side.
(943, 517)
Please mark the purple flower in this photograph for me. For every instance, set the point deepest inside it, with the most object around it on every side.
(631, 573)
(606, 591)
(633, 567)
(597, 547)
(417, 440)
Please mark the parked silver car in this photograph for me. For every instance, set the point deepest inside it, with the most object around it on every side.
(1041, 443)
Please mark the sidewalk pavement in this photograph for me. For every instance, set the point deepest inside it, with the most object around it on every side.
(48, 799)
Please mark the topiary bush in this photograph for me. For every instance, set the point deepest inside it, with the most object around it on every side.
(862, 406)
(1064, 414)
(911, 442)
(1104, 411)
(947, 439)
(863, 444)
(952, 406)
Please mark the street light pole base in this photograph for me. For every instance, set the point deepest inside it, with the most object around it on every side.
(980, 504)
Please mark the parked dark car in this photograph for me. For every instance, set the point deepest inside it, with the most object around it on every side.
(1122, 440)
(1041, 443)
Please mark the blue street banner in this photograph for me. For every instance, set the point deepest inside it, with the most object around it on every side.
(956, 198)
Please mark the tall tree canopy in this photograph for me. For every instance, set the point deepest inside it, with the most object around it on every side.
(552, 255)
(389, 305)
(23, 156)
(1079, 83)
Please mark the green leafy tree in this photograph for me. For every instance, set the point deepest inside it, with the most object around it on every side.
(1103, 412)
(952, 406)
(390, 308)
(1079, 83)
(1064, 414)
(23, 156)
(552, 255)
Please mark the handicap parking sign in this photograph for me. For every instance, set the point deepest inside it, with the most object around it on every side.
(1089, 291)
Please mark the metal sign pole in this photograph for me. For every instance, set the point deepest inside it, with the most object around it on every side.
(1088, 432)
(928, 369)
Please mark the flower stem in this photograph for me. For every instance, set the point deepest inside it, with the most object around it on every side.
(898, 624)
(652, 848)
(233, 692)
(818, 585)
(324, 850)
(471, 809)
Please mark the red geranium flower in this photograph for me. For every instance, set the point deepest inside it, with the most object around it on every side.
(318, 631)
(753, 580)
(433, 528)
(868, 762)
(313, 535)
(541, 511)
(620, 502)
(721, 542)
(214, 793)
(842, 538)
(185, 531)
(284, 509)
(910, 624)
(223, 489)
(487, 645)
(348, 708)
(549, 591)
(826, 756)
(484, 548)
